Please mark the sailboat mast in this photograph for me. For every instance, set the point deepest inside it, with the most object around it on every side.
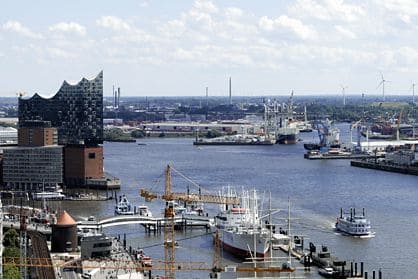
(254, 233)
(288, 232)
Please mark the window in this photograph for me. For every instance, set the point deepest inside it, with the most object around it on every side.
(92, 155)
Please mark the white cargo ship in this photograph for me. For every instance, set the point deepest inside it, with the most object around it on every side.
(240, 229)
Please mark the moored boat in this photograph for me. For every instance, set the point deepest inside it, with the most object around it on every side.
(240, 229)
(48, 196)
(143, 210)
(124, 207)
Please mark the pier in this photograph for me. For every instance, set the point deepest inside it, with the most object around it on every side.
(372, 164)
(328, 156)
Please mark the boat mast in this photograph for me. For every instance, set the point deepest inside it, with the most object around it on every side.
(270, 229)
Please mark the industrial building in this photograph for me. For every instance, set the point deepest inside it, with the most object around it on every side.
(37, 133)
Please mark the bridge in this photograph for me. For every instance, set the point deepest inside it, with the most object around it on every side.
(152, 223)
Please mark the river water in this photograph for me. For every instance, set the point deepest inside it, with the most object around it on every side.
(316, 189)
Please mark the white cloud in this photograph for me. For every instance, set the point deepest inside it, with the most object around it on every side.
(144, 4)
(345, 32)
(59, 53)
(327, 10)
(284, 22)
(205, 6)
(17, 27)
(68, 27)
(406, 7)
(233, 12)
(114, 23)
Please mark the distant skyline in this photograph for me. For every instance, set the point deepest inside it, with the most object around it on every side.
(178, 48)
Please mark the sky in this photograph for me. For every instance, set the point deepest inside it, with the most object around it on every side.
(178, 48)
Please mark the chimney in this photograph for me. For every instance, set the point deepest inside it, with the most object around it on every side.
(230, 91)
(118, 96)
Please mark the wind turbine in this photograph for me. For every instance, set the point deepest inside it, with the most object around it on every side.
(343, 88)
(382, 83)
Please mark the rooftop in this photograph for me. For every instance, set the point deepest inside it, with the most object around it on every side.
(66, 219)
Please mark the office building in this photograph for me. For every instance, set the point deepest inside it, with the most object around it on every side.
(33, 168)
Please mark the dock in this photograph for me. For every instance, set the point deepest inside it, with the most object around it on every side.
(372, 164)
(322, 258)
(327, 156)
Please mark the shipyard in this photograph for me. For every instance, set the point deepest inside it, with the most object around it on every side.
(208, 139)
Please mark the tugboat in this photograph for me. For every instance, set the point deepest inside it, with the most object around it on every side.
(124, 207)
(353, 224)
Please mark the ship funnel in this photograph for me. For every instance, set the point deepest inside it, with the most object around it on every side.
(351, 213)
(341, 212)
(363, 212)
(354, 212)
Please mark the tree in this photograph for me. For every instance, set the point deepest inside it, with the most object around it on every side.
(137, 134)
(11, 238)
(11, 272)
(11, 249)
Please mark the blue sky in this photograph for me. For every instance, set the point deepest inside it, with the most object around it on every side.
(167, 48)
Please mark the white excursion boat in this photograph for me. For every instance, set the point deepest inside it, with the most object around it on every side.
(124, 207)
(354, 224)
(240, 229)
(48, 196)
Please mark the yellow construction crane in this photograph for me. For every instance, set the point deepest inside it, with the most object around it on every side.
(169, 196)
(107, 264)
(102, 264)
(169, 239)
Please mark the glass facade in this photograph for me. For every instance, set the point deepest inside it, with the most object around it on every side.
(75, 110)
(32, 168)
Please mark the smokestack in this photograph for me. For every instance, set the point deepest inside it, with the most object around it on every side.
(113, 95)
(230, 91)
(118, 96)
(207, 102)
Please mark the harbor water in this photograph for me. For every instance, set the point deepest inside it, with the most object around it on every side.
(316, 189)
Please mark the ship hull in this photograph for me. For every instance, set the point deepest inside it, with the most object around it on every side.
(239, 244)
(287, 139)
